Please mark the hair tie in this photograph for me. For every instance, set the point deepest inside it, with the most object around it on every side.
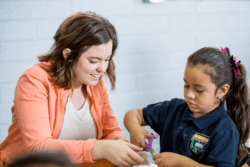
(234, 61)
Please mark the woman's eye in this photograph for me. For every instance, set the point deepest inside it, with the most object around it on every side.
(107, 60)
(93, 62)
(186, 86)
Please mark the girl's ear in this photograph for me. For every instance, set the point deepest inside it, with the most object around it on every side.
(66, 52)
(223, 91)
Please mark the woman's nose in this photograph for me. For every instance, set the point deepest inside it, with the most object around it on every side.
(102, 67)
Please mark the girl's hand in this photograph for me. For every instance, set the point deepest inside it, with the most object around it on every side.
(138, 136)
(133, 121)
(168, 159)
(119, 153)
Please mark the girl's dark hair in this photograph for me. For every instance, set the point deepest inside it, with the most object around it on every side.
(79, 32)
(238, 98)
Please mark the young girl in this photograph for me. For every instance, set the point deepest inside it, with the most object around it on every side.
(199, 131)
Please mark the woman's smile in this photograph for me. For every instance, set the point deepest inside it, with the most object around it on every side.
(95, 76)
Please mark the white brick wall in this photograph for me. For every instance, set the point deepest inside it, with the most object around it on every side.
(154, 43)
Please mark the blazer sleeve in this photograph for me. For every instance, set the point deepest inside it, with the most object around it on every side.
(111, 129)
(32, 114)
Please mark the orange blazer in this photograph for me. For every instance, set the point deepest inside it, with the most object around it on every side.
(37, 117)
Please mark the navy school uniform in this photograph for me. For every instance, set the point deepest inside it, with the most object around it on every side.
(211, 139)
(248, 159)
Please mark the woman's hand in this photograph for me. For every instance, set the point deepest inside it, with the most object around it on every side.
(120, 153)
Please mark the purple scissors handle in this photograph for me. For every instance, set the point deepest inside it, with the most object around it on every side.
(149, 144)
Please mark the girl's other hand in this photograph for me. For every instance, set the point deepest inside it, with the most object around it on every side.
(138, 136)
(168, 159)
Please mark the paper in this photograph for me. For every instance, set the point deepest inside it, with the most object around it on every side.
(145, 156)
(150, 165)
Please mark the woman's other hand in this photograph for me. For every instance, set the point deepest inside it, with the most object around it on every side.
(120, 153)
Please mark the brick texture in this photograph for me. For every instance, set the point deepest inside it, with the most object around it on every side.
(154, 43)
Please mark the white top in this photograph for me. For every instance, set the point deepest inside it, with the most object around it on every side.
(77, 125)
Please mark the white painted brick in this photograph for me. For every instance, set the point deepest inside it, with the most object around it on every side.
(150, 97)
(17, 30)
(3, 132)
(154, 43)
(222, 6)
(152, 62)
(125, 63)
(119, 116)
(242, 53)
(223, 21)
(178, 59)
(127, 44)
(24, 50)
(181, 22)
(166, 42)
(143, 62)
(7, 93)
(176, 93)
(237, 21)
(126, 83)
(47, 28)
(43, 46)
(126, 101)
(221, 39)
(152, 24)
(105, 8)
(166, 7)
(140, 24)
(161, 80)
(108, 85)
(10, 72)
(27, 9)
(210, 22)
(5, 114)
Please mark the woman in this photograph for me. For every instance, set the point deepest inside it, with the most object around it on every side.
(62, 102)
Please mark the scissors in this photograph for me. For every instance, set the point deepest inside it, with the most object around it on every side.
(149, 145)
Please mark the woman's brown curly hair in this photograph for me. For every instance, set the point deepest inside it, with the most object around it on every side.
(238, 97)
(78, 33)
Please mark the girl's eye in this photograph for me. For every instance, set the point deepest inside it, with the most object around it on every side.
(107, 60)
(199, 91)
(93, 62)
(186, 86)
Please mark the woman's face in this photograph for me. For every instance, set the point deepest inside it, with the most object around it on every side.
(199, 91)
(92, 64)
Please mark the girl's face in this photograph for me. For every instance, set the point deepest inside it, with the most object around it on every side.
(199, 91)
(92, 64)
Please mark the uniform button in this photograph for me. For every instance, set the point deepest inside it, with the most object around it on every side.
(185, 135)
